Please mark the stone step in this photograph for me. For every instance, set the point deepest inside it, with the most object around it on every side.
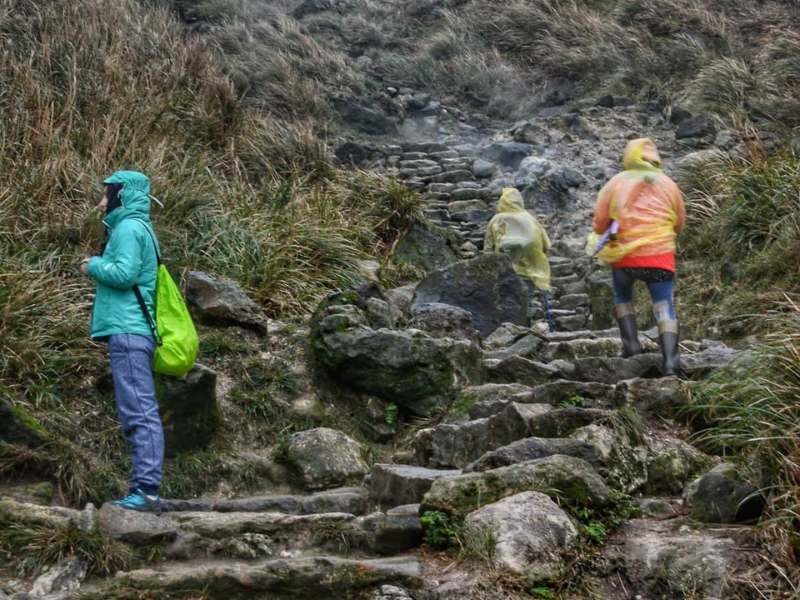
(564, 279)
(490, 398)
(421, 173)
(445, 154)
(419, 164)
(451, 176)
(415, 156)
(426, 147)
(393, 484)
(532, 448)
(566, 479)
(470, 193)
(309, 577)
(442, 188)
(572, 301)
(348, 500)
(581, 348)
(572, 323)
(561, 269)
(466, 205)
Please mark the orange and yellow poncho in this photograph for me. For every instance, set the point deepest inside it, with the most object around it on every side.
(647, 205)
(516, 232)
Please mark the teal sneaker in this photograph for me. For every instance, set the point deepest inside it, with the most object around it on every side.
(139, 501)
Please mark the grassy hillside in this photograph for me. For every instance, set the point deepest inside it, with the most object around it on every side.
(98, 85)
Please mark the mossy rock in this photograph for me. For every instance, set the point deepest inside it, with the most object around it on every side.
(18, 426)
(426, 246)
(566, 479)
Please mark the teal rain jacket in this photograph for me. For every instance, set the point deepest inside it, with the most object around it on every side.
(129, 258)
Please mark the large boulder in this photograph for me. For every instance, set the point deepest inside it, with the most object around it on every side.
(17, 426)
(221, 301)
(531, 533)
(507, 154)
(444, 320)
(570, 480)
(671, 464)
(486, 286)
(723, 496)
(426, 246)
(415, 371)
(189, 410)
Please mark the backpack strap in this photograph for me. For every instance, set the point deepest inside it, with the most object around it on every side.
(142, 304)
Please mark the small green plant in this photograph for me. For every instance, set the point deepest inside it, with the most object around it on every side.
(440, 530)
(596, 532)
(477, 542)
(390, 413)
(542, 592)
(575, 400)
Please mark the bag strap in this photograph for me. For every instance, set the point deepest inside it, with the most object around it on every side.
(142, 304)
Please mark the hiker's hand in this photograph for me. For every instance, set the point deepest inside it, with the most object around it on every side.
(85, 265)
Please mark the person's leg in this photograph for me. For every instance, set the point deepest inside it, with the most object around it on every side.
(624, 312)
(664, 310)
(134, 390)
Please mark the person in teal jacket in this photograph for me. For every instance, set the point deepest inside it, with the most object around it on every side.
(130, 260)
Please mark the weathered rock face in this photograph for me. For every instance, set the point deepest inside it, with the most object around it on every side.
(189, 410)
(623, 465)
(457, 444)
(134, 527)
(601, 297)
(671, 464)
(531, 533)
(394, 531)
(668, 561)
(18, 427)
(403, 484)
(409, 368)
(444, 320)
(532, 448)
(487, 287)
(661, 397)
(722, 496)
(426, 247)
(325, 458)
(221, 301)
(517, 369)
(569, 479)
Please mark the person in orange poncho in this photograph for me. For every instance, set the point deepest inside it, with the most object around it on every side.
(644, 211)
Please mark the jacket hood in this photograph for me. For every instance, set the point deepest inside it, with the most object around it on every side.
(510, 201)
(135, 197)
(641, 155)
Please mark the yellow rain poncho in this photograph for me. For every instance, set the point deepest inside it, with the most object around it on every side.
(646, 204)
(516, 232)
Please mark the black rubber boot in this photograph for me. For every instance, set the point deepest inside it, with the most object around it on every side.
(628, 331)
(670, 351)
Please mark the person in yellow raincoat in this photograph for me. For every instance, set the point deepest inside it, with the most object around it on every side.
(639, 214)
(516, 232)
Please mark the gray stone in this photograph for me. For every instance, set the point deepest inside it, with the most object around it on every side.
(508, 154)
(601, 300)
(427, 247)
(504, 336)
(401, 298)
(486, 286)
(311, 577)
(397, 530)
(325, 458)
(528, 346)
(483, 168)
(403, 484)
(391, 592)
(568, 479)
(366, 119)
(723, 496)
(517, 369)
(662, 559)
(458, 444)
(351, 500)
(218, 300)
(355, 153)
(374, 423)
(33, 515)
(696, 127)
(532, 448)
(671, 464)
(66, 576)
(661, 397)
(657, 508)
(531, 534)
(189, 411)
(623, 466)
(415, 371)
(444, 320)
(136, 528)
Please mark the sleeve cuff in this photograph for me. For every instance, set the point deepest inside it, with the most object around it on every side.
(94, 264)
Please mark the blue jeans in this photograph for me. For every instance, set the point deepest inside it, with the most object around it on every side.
(660, 293)
(134, 391)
